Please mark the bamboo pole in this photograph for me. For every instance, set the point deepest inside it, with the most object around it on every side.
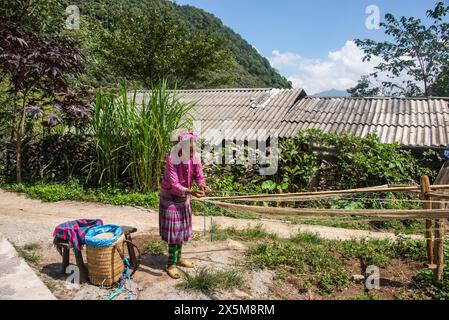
(427, 205)
(308, 212)
(305, 195)
(439, 246)
(440, 187)
(438, 195)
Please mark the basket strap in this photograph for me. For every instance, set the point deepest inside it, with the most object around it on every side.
(122, 256)
(139, 257)
(120, 252)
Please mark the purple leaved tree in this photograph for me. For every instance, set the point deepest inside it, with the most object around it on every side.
(40, 69)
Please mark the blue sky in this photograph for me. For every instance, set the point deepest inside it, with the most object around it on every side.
(308, 41)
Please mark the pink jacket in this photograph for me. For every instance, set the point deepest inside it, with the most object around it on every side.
(178, 178)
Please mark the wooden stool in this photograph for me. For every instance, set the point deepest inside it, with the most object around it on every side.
(63, 248)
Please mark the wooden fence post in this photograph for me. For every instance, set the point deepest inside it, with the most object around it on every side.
(425, 188)
(439, 245)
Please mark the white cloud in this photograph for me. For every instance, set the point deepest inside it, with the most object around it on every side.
(341, 70)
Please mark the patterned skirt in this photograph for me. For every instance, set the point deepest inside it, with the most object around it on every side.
(175, 218)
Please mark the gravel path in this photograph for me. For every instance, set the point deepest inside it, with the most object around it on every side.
(24, 220)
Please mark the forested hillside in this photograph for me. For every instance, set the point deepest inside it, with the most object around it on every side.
(144, 40)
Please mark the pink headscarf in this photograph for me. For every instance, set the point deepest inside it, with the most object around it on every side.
(180, 139)
(185, 134)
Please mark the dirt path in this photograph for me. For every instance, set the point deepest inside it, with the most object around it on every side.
(28, 221)
(152, 280)
(24, 220)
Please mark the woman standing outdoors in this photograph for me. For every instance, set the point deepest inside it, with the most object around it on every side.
(183, 168)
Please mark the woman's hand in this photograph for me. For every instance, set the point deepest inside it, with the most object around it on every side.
(205, 189)
(196, 193)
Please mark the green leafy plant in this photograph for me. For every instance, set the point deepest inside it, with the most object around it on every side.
(58, 192)
(132, 139)
(209, 281)
(156, 248)
(27, 252)
(351, 161)
(247, 234)
(323, 264)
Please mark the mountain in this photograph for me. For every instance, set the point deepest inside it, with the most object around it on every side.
(248, 68)
(332, 93)
(253, 70)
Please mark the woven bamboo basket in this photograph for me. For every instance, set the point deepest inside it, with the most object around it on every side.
(105, 265)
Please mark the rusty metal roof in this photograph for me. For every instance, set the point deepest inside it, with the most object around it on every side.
(413, 122)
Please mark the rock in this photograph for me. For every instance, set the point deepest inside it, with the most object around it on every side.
(358, 278)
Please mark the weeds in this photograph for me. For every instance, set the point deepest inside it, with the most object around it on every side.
(247, 234)
(325, 264)
(208, 281)
(27, 253)
(350, 222)
(365, 296)
(426, 285)
(156, 248)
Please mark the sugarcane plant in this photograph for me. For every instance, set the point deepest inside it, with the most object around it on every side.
(133, 137)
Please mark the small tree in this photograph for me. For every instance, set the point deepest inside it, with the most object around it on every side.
(418, 51)
(38, 66)
(440, 87)
(153, 45)
(364, 88)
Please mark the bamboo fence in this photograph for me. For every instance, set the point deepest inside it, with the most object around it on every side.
(434, 212)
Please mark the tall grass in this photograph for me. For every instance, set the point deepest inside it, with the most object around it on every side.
(109, 139)
(133, 138)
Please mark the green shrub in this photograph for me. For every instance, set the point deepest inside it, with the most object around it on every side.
(355, 162)
(426, 285)
(52, 158)
(156, 248)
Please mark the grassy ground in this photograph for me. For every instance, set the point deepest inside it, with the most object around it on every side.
(326, 267)
(350, 222)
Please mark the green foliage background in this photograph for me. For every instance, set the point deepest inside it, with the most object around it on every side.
(114, 33)
(353, 162)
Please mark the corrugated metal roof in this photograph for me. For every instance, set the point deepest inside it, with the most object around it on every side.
(413, 122)
(235, 113)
